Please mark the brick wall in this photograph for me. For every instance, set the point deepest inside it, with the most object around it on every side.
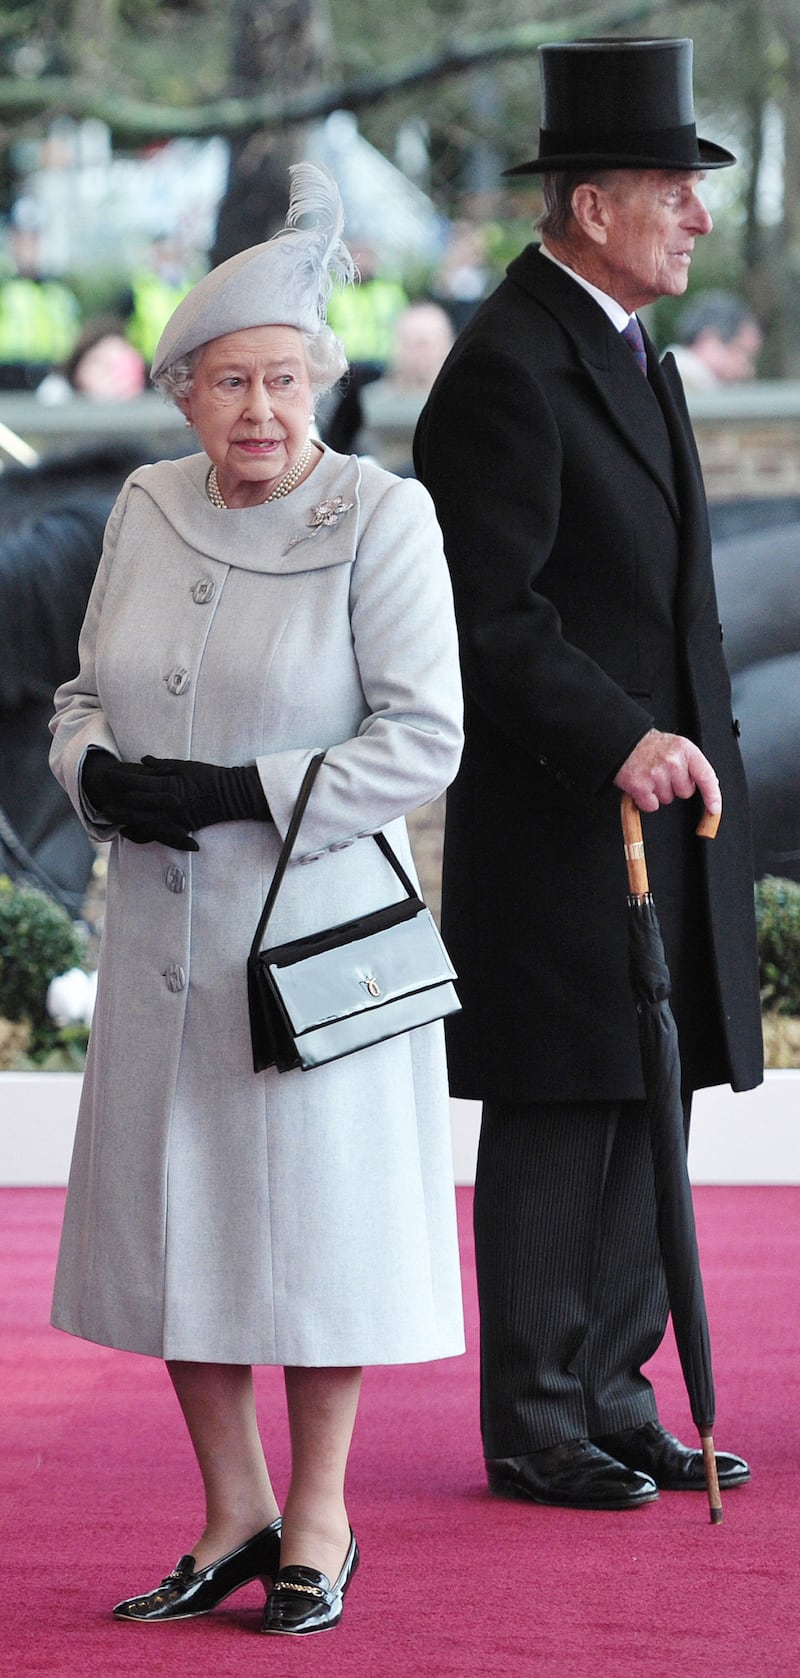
(748, 437)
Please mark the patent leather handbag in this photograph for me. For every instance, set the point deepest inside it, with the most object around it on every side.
(346, 987)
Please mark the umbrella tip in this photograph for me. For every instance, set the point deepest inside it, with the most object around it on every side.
(716, 1517)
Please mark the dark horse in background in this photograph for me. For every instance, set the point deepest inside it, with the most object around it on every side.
(52, 518)
(757, 571)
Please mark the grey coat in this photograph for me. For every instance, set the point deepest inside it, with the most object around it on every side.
(213, 1214)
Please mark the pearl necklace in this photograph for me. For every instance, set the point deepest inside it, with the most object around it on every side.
(286, 485)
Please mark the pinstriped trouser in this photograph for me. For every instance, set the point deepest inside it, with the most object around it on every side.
(570, 1282)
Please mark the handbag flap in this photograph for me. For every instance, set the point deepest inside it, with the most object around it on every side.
(360, 974)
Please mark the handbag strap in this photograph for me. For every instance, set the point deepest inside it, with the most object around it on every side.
(288, 846)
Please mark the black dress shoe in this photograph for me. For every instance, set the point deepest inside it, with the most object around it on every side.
(575, 1475)
(185, 1593)
(302, 1600)
(673, 1466)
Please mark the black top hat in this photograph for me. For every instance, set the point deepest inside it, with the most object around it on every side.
(619, 103)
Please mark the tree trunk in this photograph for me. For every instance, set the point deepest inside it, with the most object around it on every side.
(275, 48)
(90, 36)
(752, 53)
(791, 218)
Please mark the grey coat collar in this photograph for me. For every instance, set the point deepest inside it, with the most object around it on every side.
(316, 526)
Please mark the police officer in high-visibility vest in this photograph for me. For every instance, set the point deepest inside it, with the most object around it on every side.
(39, 322)
(363, 316)
(39, 315)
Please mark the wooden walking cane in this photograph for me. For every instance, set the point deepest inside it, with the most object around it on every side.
(646, 924)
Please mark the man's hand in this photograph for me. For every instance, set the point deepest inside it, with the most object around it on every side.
(667, 766)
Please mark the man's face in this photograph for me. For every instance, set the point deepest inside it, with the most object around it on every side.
(653, 217)
(730, 359)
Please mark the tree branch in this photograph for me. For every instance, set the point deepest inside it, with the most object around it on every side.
(135, 121)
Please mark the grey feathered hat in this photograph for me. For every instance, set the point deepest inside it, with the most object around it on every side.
(287, 281)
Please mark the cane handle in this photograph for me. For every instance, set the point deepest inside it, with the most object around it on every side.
(708, 825)
(638, 883)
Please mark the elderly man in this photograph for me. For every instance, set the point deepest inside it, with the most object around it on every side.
(560, 457)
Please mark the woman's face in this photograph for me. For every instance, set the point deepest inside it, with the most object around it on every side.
(111, 371)
(251, 406)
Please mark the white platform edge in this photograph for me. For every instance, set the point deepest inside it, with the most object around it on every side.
(751, 1138)
(38, 1111)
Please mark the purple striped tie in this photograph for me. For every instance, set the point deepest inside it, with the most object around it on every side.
(633, 336)
(632, 333)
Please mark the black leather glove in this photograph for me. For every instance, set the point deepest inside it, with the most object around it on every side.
(206, 793)
(139, 803)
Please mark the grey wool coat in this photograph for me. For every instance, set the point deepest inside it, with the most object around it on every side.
(214, 1214)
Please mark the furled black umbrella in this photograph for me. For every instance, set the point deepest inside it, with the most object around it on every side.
(650, 982)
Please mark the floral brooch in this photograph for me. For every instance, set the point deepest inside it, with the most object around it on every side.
(324, 516)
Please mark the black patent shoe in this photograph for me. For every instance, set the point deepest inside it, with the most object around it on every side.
(185, 1593)
(673, 1466)
(302, 1600)
(574, 1475)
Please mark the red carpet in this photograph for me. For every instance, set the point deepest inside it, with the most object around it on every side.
(99, 1496)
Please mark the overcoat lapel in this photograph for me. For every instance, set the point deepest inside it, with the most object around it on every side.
(633, 409)
(617, 381)
(695, 532)
(641, 410)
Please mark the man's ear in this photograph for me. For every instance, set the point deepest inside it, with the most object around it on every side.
(591, 210)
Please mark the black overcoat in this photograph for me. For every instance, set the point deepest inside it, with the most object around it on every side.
(570, 496)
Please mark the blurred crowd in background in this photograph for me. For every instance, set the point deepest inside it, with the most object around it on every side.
(49, 345)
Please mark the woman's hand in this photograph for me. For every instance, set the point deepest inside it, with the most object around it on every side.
(133, 799)
(207, 793)
(165, 799)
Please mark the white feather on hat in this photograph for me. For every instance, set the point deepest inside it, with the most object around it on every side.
(287, 281)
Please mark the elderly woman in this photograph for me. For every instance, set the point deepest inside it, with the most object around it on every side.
(255, 603)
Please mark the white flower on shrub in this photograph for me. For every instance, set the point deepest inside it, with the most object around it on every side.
(70, 997)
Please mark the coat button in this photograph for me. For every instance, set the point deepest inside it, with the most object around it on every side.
(203, 591)
(721, 633)
(737, 727)
(177, 681)
(175, 977)
(175, 878)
